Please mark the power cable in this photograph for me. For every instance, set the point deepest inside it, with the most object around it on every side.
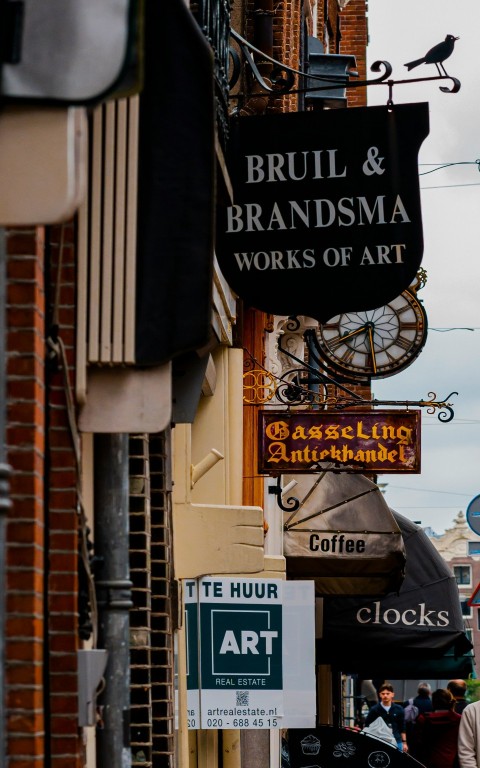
(447, 186)
(449, 165)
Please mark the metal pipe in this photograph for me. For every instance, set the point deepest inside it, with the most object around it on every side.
(113, 596)
(263, 40)
(205, 465)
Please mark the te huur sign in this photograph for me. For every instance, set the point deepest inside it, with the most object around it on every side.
(326, 215)
(250, 653)
(374, 441)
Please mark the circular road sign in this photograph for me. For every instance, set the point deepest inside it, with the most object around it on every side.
(473, 515)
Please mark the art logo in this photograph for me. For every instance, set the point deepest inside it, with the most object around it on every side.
(245, 641)
(245, 644)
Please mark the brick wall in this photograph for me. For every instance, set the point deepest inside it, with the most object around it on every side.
(62, 578)
(26, 521)
(354, 38)
(41, 622)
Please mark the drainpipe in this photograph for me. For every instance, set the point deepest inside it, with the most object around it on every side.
(4, 492)
(263, 40)
(113, 596)
(255, 745)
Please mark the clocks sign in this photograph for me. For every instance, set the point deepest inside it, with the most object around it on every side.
(326, 213)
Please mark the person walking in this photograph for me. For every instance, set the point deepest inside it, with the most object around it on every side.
(469, 736)
(414, 707)
(423, 699)
(436, 733)
(392, 713)
(458, 688)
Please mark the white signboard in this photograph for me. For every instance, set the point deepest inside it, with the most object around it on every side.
(299, 682)
(257, 653)
(241, 662)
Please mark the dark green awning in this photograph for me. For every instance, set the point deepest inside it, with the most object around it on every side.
(419, 630)
(447, 667)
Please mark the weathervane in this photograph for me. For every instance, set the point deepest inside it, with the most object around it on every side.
(283, 78)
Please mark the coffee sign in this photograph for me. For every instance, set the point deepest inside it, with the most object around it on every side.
(326, 215)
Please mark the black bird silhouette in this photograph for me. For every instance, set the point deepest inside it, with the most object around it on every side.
(436, 55)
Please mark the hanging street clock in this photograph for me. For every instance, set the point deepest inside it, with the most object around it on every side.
(375, 343)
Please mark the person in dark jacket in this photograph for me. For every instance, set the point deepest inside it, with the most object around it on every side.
(423, 699)
(436, 733)
(423, 702)
(392, 713)
(458, 688)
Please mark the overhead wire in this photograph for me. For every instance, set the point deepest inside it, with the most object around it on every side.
(441, 166)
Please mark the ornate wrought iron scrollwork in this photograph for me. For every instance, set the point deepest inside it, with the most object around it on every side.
(293, 388)
(291, 504)
(298, 387)
(445, 410)
(285, 79)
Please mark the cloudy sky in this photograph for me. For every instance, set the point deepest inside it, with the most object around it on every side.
(399, 31)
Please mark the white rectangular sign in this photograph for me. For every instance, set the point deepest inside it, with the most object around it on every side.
(241, 661)
(256, 664)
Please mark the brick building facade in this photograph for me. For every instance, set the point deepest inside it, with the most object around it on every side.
(460, 548)
(42, 532)
(50, 598)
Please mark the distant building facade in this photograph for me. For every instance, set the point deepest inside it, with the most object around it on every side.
(460, 547)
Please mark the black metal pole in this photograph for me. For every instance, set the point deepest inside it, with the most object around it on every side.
(113, 596)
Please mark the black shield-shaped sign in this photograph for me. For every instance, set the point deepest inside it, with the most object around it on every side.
(326, 215)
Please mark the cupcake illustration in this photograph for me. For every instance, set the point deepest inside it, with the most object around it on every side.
(310, 745)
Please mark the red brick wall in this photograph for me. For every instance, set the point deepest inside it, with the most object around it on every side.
(25, 530)
(286, 45)
(42, 524)
(62, 581)
(354, 38)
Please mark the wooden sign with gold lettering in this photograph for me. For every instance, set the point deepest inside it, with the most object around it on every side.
(373, 441)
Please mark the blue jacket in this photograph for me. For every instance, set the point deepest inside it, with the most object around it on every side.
(394, 717)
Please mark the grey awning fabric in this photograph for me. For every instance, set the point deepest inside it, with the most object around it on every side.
(343, 536)
(423, 622)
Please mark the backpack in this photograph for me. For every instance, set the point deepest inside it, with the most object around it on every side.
(411, 712)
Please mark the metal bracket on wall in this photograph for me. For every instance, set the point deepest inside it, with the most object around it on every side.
(291, 504)
(298, 394)
(285, 78)
(308, 386)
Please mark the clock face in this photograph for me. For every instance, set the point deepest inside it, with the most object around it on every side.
(375, 343)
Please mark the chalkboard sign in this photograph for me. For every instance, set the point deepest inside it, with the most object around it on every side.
(326, 746)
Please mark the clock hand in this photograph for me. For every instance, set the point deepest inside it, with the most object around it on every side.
(353, 333)
(370, 336)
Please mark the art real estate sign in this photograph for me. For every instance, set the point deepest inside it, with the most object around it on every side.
(371, 441)
(244, 641)
(326, 215)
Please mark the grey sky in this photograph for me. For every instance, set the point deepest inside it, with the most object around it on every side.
(402, 30)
